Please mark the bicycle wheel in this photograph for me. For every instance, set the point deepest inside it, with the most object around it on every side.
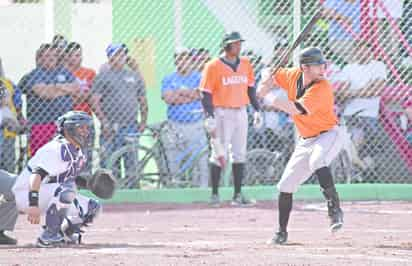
(194, 173)
(263, 167)
(135, 166)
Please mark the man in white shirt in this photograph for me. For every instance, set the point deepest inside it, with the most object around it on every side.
(386, 11)
(360, 84)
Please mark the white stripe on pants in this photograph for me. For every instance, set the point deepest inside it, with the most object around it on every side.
(231, 130)
(310, 155)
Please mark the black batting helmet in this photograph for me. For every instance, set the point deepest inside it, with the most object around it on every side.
(311, 56)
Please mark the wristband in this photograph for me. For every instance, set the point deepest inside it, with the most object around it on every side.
(33, 198)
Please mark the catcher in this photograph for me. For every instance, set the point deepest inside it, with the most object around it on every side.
(48, 186)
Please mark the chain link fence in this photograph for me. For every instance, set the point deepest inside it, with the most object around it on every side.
(136, 67)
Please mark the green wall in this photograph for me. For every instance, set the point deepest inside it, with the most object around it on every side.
(200, 27)
(155, 19)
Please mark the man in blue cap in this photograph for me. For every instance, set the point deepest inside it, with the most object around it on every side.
(118, 97)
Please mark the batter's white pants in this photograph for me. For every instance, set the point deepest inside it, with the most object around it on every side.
(310, 155)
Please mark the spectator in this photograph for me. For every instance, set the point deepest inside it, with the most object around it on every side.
(60, 42)
(73, 57)
(13, 103)
(386, 34)
(131, 63)
(344, 17)
(360, 85)
(49, 89)
(277, 131)
(407, 31)
(118, 94)
(184, 112)
(368, 85)
(408, 128)
(7, 118)
(200, 57)
(256, 61)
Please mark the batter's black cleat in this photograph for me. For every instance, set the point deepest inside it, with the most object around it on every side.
(280, 238)
(336, 219)
(241, 201)
(6, 240)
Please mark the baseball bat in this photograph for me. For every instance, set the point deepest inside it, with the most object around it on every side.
(301, 36)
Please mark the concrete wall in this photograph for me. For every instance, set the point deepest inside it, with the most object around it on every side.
(23, 29)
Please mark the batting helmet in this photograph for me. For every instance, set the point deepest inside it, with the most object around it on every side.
(69, 124)
(311, 56)
(231, 37)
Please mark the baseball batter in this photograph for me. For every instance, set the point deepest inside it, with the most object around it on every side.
(228, 86)
(47, 186)
(310, 103)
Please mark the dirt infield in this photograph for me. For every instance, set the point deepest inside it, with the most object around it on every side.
(376, 233)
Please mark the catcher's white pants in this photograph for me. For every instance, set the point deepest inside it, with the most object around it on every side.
(48, 194)
(310, 155)
(231, 131)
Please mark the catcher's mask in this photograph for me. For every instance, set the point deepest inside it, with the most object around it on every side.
(77, 125)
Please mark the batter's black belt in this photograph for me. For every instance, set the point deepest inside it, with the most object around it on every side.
(50, 179)
(320, 133)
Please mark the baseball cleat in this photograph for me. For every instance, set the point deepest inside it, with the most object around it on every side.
(214, 201)
(280, 238)
(336, 219)
(241, 200)
(47, 239)
(6, 240)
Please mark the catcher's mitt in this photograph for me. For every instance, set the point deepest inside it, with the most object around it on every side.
(102, 184)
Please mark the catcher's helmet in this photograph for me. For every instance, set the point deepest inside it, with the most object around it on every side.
(70, 122)
(311, 56)
(231, 37)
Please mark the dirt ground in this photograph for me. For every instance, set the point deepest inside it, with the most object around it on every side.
(375, 233)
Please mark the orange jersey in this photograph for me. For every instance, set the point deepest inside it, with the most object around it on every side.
(228, 86)
(85, 76)
(318, 101)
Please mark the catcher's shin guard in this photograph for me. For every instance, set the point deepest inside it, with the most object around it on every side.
(51, 235)
(93, 210)
(71, 232)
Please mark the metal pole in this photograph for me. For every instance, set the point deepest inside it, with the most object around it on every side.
(297, 14)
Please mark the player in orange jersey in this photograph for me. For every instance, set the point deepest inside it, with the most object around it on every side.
(310, 103)
(228, 86)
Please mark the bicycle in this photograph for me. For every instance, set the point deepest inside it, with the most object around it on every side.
(348, 166)
(267, 160)
(152, 165)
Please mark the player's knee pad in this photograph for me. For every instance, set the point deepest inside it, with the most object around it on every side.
(67, 196)
(94, 208)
